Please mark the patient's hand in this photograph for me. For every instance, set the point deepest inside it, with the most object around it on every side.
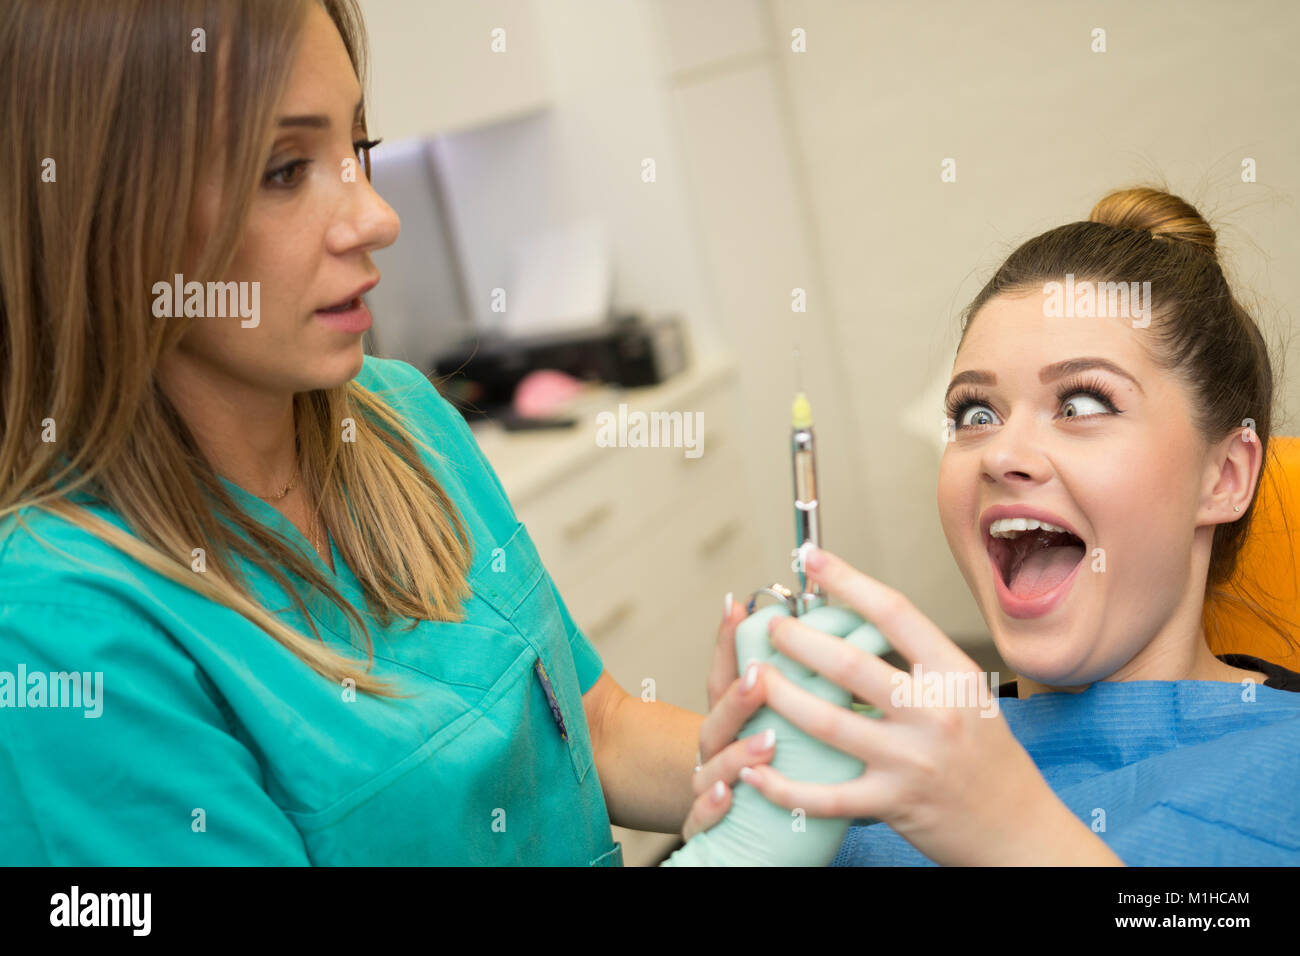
(945, 774)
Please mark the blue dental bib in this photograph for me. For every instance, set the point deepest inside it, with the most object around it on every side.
(1168, 773)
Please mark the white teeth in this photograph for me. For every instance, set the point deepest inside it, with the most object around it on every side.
(1010, 527)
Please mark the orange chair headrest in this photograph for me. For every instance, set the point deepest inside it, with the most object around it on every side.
(1267, 567)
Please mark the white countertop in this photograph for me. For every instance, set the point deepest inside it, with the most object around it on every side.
(527, 462)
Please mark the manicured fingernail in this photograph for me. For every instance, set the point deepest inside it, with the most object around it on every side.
(764, 741)
(717, 792)
(748, 775)
(751, 676)
(726, 605)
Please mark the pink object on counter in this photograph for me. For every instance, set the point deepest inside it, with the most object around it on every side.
(544, 392)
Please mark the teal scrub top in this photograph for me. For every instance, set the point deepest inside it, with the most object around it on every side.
(214, 745)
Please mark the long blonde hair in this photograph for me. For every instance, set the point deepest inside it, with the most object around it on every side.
(107, 117)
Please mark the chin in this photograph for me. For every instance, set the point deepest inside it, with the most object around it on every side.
(1057, 665)
(339, 368)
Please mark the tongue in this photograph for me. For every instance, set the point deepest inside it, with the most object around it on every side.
(1043, 569)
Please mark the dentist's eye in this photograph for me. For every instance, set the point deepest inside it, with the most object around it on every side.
(366, 145)
(362, 148)
(273, 177)
(284, 177)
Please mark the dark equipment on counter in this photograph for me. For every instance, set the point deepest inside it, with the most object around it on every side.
(627, 351)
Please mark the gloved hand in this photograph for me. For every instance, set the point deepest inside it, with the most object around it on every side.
(757, 832)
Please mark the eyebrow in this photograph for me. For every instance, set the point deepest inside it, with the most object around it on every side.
(1048, 373)
(316, 120)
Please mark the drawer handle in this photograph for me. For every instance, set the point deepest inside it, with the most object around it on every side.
(719, 539)
(583, 526)
(612, 620)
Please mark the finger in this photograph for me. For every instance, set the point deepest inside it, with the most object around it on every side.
(834, 658)
(723, 669)
(864, 796)
(709, 807)
(908, 631)
(725, 765)
(733, 710)
(867, 738)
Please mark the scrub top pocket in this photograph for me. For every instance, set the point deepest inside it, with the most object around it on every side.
(512, 580)
(613, 858)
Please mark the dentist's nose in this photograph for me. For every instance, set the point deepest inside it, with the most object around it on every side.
(365, 222)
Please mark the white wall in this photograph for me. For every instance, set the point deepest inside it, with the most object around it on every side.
(750, 201)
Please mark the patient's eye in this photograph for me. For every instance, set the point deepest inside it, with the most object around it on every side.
(1083, 394)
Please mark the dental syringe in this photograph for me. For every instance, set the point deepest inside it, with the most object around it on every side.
(807, 512)
(807, 516)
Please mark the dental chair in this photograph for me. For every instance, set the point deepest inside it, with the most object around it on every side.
(1268, 569)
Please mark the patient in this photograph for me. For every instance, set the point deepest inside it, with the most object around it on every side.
(1131, 421)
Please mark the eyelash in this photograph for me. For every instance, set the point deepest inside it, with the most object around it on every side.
(362, 144)
(1094, 388)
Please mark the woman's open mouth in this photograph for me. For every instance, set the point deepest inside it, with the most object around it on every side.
(343, 306)
(351, 316)
(1033, 567)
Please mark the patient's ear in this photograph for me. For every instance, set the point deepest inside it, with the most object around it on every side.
(1232, 472)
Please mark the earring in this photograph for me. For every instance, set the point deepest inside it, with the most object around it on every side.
(1236, 507)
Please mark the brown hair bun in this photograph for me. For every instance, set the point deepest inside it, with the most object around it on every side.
(1162, 214)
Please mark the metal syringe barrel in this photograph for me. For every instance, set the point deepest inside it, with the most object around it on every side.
(807, 513)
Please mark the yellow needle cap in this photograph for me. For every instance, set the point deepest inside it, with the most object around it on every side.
(801, 414)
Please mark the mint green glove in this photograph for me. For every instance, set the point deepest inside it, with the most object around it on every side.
(757, 832)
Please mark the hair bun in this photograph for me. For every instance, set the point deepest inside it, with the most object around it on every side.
(1162, 214)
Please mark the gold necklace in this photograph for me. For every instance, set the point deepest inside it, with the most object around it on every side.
(287, 489)
(316, 542)
(313, 536)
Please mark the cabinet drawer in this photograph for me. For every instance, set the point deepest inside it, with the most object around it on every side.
(646, 611)
(698, 513)
(615, 493)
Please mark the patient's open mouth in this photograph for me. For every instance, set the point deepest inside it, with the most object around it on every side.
(1032, 561)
